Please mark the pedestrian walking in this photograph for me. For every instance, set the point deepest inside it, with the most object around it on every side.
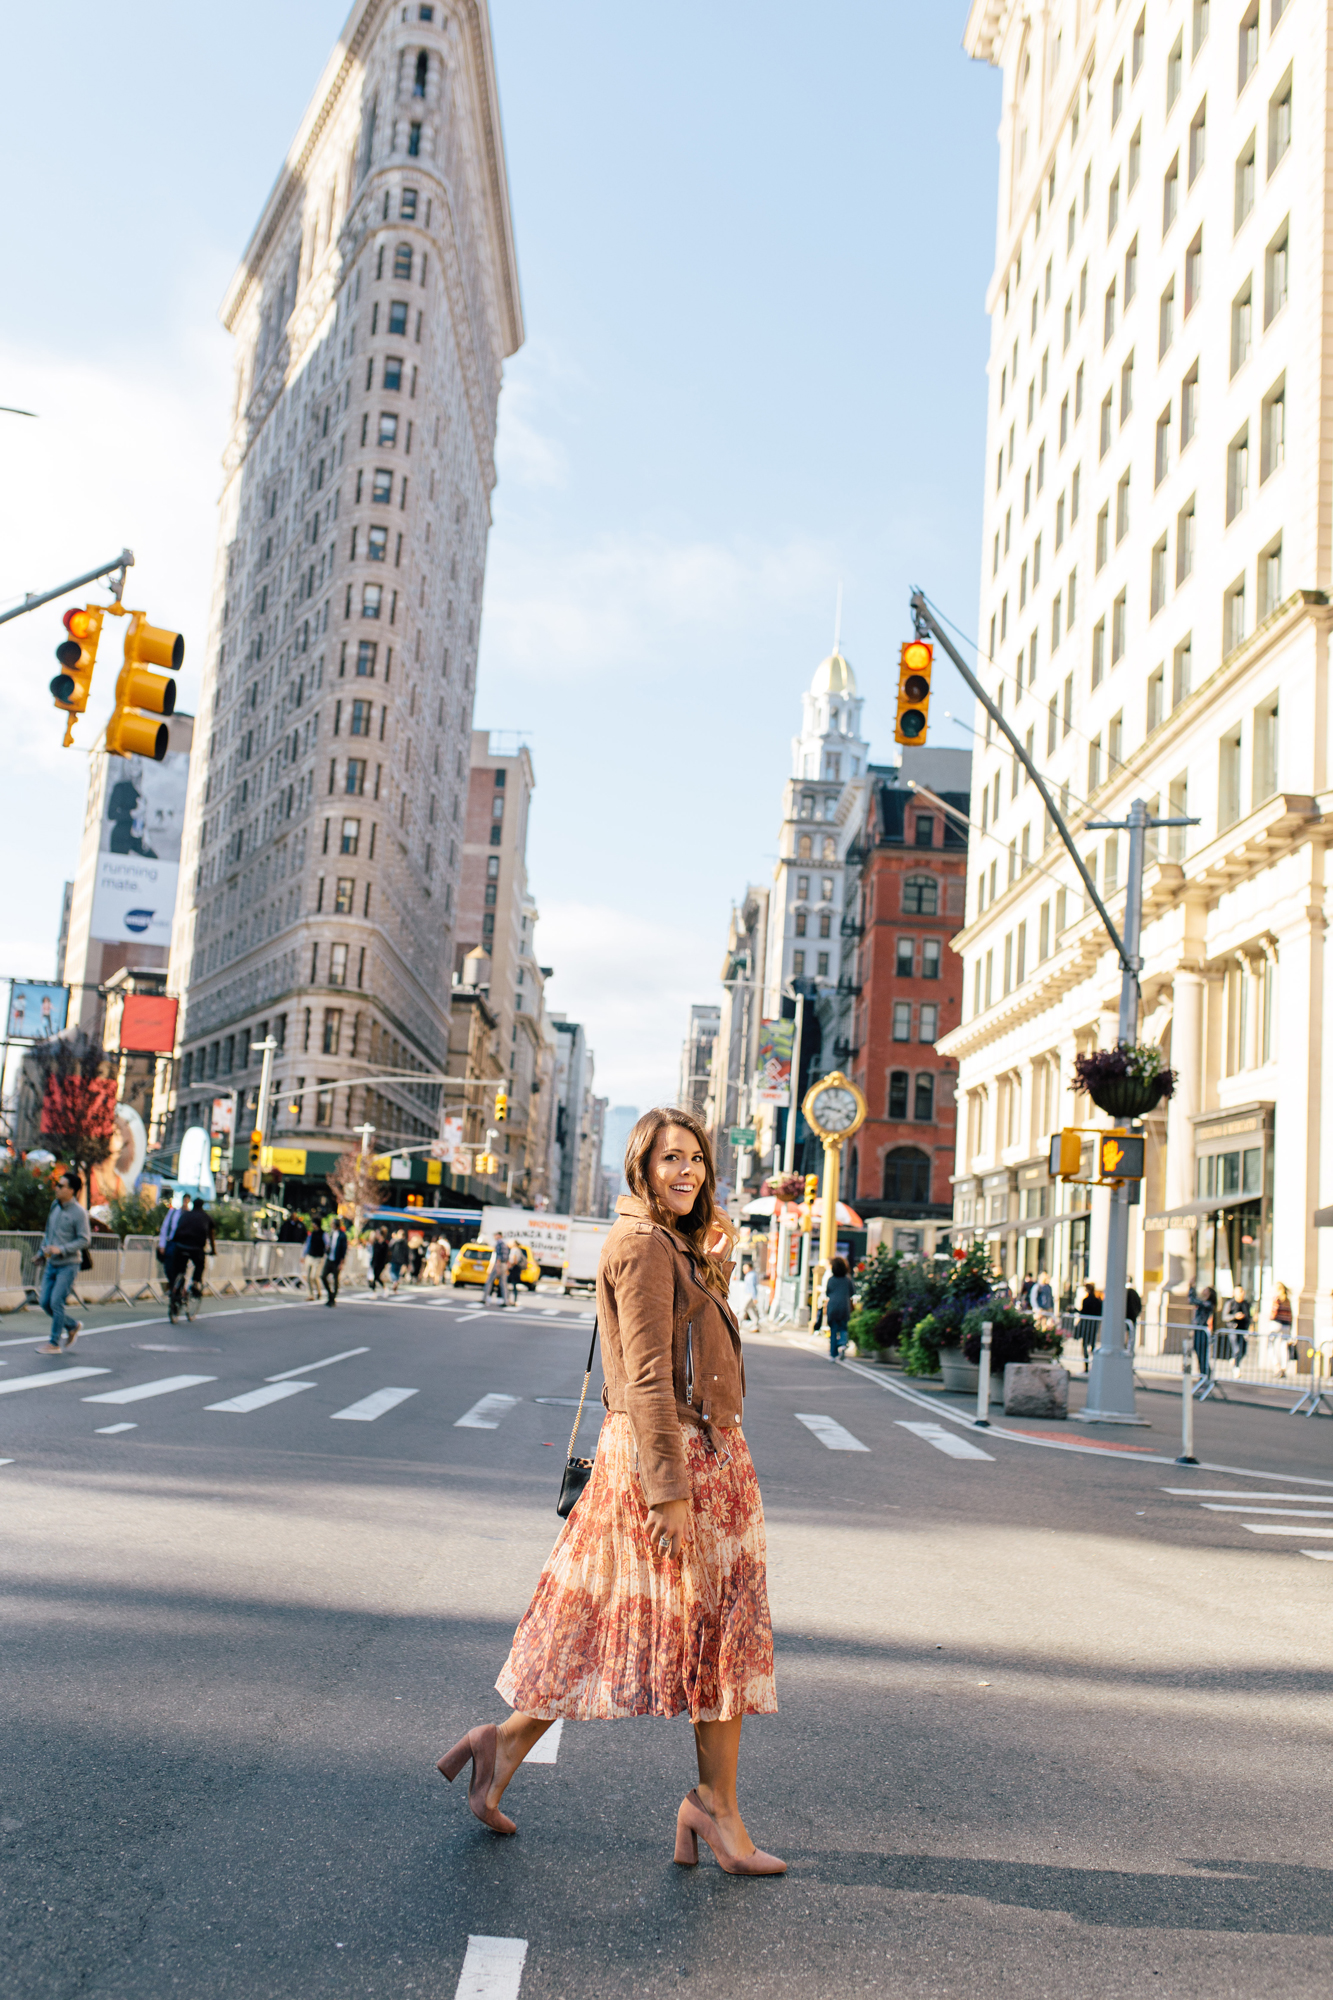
(379, 1257)
(1281, 1346)
(398, 1258)
(750, 1294)
(437, 1262)
(67, 1235)
(1133, 1310)
(335, 1256)
(654, 1600)
(1205, 1309)
(417, 1254)
(1089, 1319)
(497, 1272)
(313, 1259)
(835, 1295)
(517, 1263)
(1237, 1320)
(1043, 1297)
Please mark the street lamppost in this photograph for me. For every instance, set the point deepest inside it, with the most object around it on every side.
(834, 1109)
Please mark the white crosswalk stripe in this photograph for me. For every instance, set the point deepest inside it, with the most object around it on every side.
(374, 1405)
(948, 1442)
(308, 1367)
(1302, 1511)
(255, 1399)
(486, 1415)
(165, 1385)
(830, 1433)
(492, 1969)
(1231, 1507)
(48, 1379)
(1287, 1528)
(111, 1430)
(546, 1748)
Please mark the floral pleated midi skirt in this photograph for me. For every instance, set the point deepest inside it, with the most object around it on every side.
(617, 1629)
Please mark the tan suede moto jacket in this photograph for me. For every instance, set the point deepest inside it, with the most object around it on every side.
(671, 1351)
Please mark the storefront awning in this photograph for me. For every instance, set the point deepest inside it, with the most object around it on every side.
(1191, 1213)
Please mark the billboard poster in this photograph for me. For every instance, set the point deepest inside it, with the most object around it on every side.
(36, 1012)
(223, 1117)
(118, 1175)
(546, 1235)
(773, 1069)
(139, 850)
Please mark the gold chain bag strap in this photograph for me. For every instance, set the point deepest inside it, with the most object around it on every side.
(578, 1471)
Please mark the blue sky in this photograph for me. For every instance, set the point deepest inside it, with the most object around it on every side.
(753, 245)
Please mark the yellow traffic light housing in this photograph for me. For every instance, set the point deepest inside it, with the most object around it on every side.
(812, 1187)
(77, 656)
(131, 733)
(256, 1147)
(915, 661)
(1096, 1157)
(1066, 1154)
(501, 1106)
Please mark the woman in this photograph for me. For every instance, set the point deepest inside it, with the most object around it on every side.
(836, 1298)
(654, 1599)
(437, 1261)
(399, 1254)
(1280, 1343)
(379, 1257)
(1089, 1319)
(312, 1259)
(1205, 1311)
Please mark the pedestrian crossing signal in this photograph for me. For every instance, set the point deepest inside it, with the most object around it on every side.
(77, 656)
(914, 670)
(1119, 1156)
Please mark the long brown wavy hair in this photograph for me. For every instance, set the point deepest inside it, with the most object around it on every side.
(701, 1225)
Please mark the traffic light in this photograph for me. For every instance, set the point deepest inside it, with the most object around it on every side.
(1119, 1156)
(812, 1187)
(131, 734)
(501, 1105)
(1066, 1153)
(256, 1147)
(77, 656)
(914, 666)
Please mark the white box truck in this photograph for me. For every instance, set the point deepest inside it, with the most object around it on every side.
(586, 1234)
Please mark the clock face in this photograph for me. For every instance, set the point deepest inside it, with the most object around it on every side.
(836, 1109)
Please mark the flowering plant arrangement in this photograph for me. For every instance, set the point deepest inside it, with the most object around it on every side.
(1140, 1060)
(787, 1187)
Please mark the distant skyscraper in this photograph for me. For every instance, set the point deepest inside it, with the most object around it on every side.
(620, 1122)
(696, 1057)
(372, 312)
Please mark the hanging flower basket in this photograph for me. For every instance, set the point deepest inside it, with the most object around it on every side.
(1125, 1082)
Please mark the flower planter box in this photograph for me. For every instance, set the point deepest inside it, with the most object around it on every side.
(1127, 1096)
(963, 1377)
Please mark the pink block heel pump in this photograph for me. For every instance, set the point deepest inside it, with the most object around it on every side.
(478, 1746)
(692, 1820)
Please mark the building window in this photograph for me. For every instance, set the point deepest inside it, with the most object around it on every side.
(902, 1020)
(422, 72)
(906, 958)
(805, 848)
(1118, 624)
(1247, 53)
(1117, 96)
(1098, 652)
(1155, 699)
(826, 889)
(1265, 751)
(377, 544)
(343, 899)
(372, 597)
(362, 714)
(398, 318)
(1233, 617)
(822, 969)
(928, 1023)
(1273, 442)
(921, 896)
(801, 922)
(1270, 578)
(1131, 271)
(388, 434)
(414, 140)
(1166, 319)
(1238, 474)
(1157, 591)
(1200, 25)
(898, 1083)
(365, 659)
(1245, 181)
(1108, 315)
(925, 830)
(402, 262)
(1275, 276)
(333, 1028)
(1094, 764)
(923, 1100)
(1182, 662)
(324, 1099)
(1242, 323)
(1102, 548)
(1198, 141)
(1170, 194)
(1189, 406)
(351, 837)
(930, 958)
(1193, 273)
(1104, 432)
(393, 371)
(1135, 157)
(1228, 780)
(803, 886)
(907, 1175)
(1112, 205)
(1122, 510)
(798, 965)
(381, 490)
(1279, 123)
(356, 775)
(338, 965)
(825, 924)
(1162, 453)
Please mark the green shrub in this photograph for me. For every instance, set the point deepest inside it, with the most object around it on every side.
(233, 1222)
(921, 1350)
(26, 1195)
(137, 1215)
(1013, 1335)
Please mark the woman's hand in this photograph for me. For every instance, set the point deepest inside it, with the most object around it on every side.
(670, 1519)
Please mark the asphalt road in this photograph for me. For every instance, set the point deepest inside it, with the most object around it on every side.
(1048, 1725)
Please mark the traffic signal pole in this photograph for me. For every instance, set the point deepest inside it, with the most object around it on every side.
(122, 562)
(1110, 1396)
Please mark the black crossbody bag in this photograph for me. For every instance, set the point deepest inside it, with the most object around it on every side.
(578, 1471)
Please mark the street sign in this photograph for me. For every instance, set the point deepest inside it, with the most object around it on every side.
(742, 1135)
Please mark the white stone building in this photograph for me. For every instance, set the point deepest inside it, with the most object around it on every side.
(372, 312)
(1156, 559)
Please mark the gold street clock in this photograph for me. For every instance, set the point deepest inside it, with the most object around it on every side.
(834, 1108)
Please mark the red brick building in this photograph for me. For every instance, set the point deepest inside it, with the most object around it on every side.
(905, 903)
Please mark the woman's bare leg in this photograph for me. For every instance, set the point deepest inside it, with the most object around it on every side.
(718, 1747)
(513, 1740)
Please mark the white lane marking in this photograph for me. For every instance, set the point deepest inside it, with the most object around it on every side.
(1287, 1528)
(830, 1433)
(1306, 1513)
(306, 1366)
(6, 1461)
(162, 1387)
(255, 1399)
(945, 1441)
(133, 1325)
(546, 1748)
(486, 1415)
(1238, 1493)
(41, 1381)
(110, 1430)
(492, 1970)
(372, 1406)
(1319, 1555)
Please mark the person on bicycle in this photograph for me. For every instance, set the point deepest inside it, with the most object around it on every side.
(190, 1243)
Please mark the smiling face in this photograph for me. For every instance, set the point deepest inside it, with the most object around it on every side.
(676, 1169)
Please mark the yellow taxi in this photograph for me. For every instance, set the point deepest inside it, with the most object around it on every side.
(474, 1261)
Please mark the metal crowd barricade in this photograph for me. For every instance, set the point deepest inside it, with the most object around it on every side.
(227, 1271)
(95, 1287)
(141, 1276)
(26, 1243)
